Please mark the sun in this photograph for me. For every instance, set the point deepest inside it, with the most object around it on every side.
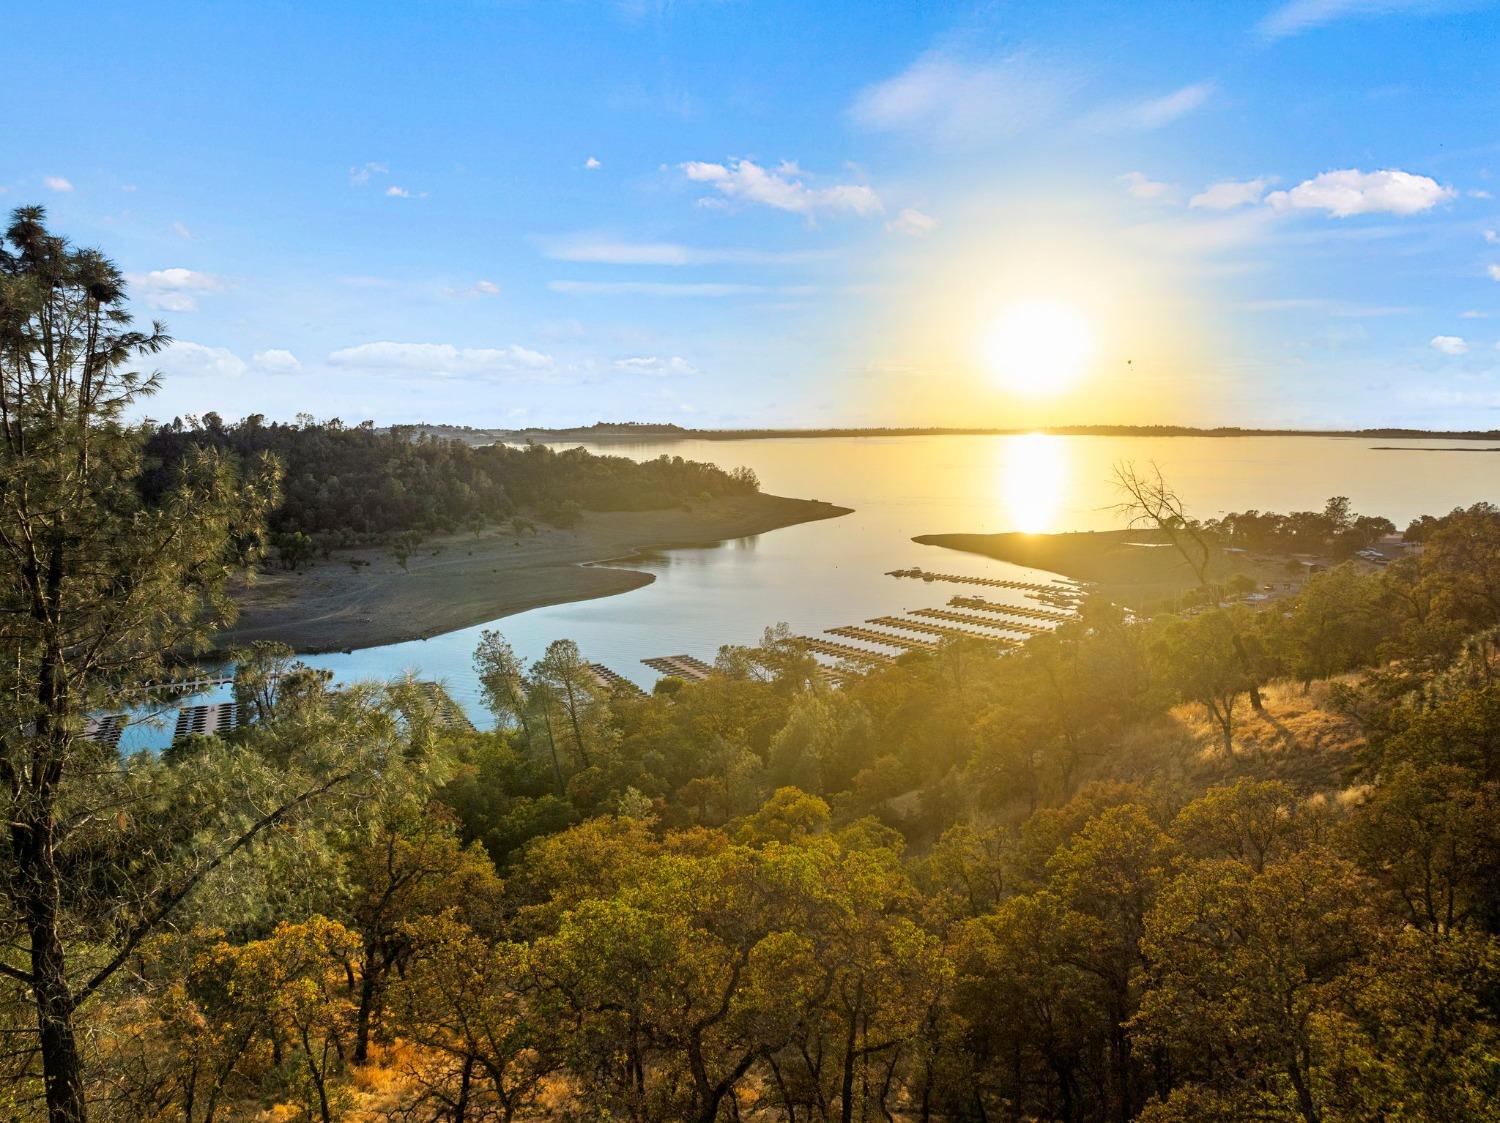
(1039, 347)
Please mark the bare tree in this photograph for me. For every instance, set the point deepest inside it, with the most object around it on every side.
(1149, 501)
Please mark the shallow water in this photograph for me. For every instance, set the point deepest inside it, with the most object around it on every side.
(823, 574)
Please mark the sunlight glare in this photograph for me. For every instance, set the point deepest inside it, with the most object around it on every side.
(1033, 477)
(1039, 347)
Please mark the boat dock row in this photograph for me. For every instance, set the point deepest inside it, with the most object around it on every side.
(1011, 609)
(612, 680)
(949, 631)
(205, 721)
(982, 621)
(888, 639)
(446, 713)
(843, 650)
(680, 666)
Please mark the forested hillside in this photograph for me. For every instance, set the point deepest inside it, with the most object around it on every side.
(353, 485)
(1231, 865)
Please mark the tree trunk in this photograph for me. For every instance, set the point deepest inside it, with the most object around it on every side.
(367, 986)
(36, 886)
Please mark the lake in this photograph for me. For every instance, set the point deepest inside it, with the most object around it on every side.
(824, 574)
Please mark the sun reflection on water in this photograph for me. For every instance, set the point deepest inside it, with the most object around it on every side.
(1033, 475)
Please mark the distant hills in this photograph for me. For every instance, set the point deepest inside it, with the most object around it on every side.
(629, 431)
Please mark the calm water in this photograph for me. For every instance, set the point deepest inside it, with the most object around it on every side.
(823, 574)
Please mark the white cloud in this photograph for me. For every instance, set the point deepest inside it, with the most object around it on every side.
(609, 251)
(56, 183)
(195, 360)
(1493, 271)
(182, 231)
(652, 364)
(669, 288)
(1473, 314)
(942, 98)
(1351, 191)
(1449, 344)
(1230, 193)
(784, 188)
(277, 361)
(592, 164)
(1143, 187)
(478, 288)
(1297, 16)
(913, 223)
(362, 173)
(397, 192)
(176, 289)
(1153, 113)
(444, 358)
(1492, 237)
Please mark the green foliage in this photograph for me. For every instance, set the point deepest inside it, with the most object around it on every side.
(350, 485)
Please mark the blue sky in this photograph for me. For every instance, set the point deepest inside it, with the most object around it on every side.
(756, 212)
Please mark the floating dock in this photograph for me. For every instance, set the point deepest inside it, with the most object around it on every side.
(612, 680)
(950, 631)
(680, 666)
(192, 685)
(870, 635)
(205, 721)
(988, 582)
(843, 650)
(982, 621)
(446, 713)
(1011, 609)
(105, 730)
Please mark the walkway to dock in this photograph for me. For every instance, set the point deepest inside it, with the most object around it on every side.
(680, 666)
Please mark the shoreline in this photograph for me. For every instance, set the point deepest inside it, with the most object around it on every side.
(362, 598)
(1121, 563)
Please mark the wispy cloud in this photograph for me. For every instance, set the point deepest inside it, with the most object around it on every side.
(1449, 344)
(942, 98)
(603, 250)
(668, 288)
(181, 230)
(1152, 113)
(361, 174)
(785, 188)
(913, 223)
(1143, 187)
(654, 364)
(1351, 192)
(174, 290)
(56, 183)
(444, 359)
(1230, 193)
(1298, 16)
(470, 292)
